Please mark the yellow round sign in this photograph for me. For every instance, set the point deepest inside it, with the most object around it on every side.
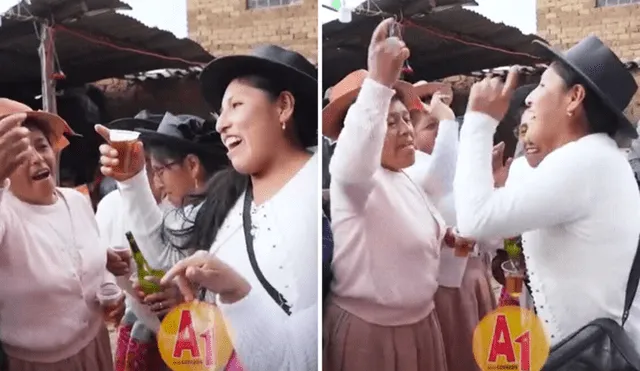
(510, 338)
(193, 337)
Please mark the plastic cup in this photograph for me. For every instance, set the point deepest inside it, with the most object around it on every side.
(513, 277)
(123, 142)
(109, 295)
(463, 250)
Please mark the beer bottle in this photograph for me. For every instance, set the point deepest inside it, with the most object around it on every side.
(513, 249)
(143, 268)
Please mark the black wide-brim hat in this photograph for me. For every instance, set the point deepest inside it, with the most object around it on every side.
(290, 69)
(603, 73)
(187, 133)
(144, 119)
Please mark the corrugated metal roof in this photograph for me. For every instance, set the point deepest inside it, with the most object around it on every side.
(631, 65)
(85, 46)
(453, 41)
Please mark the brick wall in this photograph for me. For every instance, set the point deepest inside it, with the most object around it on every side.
(565, 22)
(226, 27)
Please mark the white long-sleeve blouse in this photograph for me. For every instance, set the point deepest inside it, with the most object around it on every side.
(286, 245)
(579, 216)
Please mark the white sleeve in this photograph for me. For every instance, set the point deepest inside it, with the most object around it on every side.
(555, 192)
(436, 175)
(147, 221)
(266, 338)
(358, 152)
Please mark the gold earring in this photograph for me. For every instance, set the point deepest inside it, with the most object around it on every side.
(284, 126)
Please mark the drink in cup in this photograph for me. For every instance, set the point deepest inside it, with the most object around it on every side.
(461, 247)
(123, 142)
(513, 277)
(109, 295)
(462, 250)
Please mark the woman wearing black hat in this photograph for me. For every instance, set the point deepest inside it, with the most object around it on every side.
(257, 223)
(578, 210)
(177, 161)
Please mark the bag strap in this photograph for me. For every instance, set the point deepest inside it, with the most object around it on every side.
(632, 285)
(246, 225)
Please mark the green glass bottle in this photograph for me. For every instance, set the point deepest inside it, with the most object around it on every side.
(512, 247)
(143, 268)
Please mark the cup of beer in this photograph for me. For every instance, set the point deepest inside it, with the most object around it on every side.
(462, 250)
(109, 295)
(123, 141)
(513, 277)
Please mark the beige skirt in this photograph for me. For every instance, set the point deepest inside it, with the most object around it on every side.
(94, 357)
(352, 344)
(460, 310)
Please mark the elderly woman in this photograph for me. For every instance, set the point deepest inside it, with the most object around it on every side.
(53, 262)
(380, 312)
(256, 223)
(577, 210)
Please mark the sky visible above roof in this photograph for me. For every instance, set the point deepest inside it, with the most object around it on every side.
(516, 13)
(168, 15)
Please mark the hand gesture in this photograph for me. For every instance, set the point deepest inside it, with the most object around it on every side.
(386, 55)
(453, 240)
(14, 144)
(109, 158)
(117, 264)
(161, 302)
(491, 96)
(500, 168)
(439, 109)
(208, 272)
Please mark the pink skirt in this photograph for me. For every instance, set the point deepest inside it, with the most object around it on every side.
(352, 344)
(460, 310)
(94, 357)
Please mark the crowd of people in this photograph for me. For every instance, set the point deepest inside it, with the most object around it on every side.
(422, 208)
(422, 211)
(217, 203)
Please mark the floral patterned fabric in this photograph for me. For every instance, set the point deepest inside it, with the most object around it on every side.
(506, 299)
(137, 350)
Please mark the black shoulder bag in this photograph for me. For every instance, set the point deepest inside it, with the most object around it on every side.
(246, 225)
(601, 345)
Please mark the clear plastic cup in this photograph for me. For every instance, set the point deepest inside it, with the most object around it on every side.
(109, 295)
(123, 142)
(462, 251)
(514, 277)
